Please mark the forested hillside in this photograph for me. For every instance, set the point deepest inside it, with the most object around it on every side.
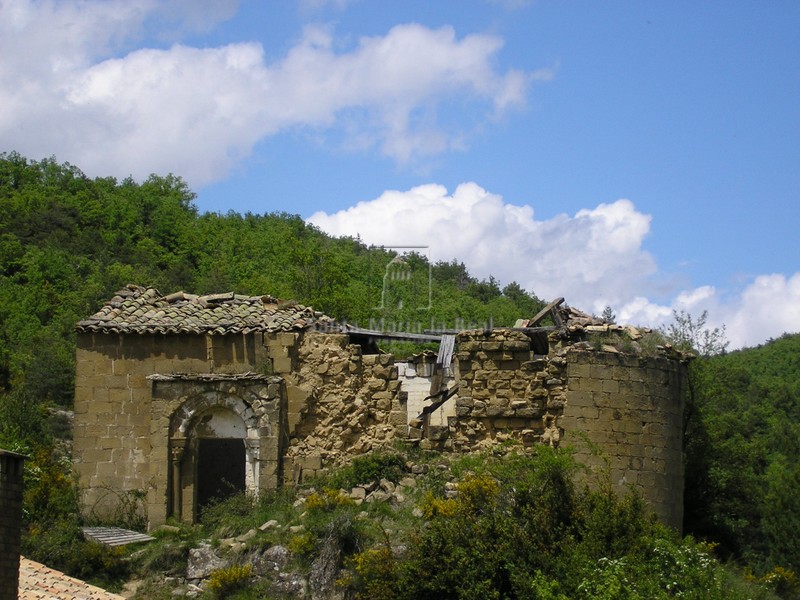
(68, 242)
(743, 453)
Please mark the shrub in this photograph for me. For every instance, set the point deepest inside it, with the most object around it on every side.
(369, 468)
(129, 509)
(375, 574)
(50, 491)
(327, 499)
(302, 544)
(225, 581)
(229, 512)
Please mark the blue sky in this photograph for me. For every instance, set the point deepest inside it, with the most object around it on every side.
(639, 154)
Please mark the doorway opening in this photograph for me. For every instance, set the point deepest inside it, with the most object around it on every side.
(220, 470)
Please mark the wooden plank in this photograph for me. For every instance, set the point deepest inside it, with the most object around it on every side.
(394, 335)
(545, 311)
(445, 356)
(115, 536)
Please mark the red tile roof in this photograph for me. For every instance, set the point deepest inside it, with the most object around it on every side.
(38, 582)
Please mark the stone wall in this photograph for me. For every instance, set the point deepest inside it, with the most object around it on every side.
(341, 404)
(332, 403)
(113, 451)
(623, 414)
(11, 484)
(505, 392)
(631, 410)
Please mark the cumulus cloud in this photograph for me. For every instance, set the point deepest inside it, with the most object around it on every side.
(71, 85)
(766, 307)
(594, 254)
(593, 258)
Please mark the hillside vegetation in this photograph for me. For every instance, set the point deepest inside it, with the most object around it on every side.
(68, 242)
(743, 453)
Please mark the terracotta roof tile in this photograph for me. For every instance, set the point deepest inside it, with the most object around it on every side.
(38, 582)
(144, 310)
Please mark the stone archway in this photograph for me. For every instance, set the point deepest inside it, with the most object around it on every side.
(225, 424)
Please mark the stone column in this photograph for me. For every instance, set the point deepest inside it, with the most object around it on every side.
(10, 522)
(177, 448)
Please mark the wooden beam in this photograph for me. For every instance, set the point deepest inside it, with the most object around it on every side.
(550, 308)
(394, 335)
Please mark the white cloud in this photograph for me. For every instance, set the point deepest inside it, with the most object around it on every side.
(768, 307)
(71, 86)
(594, 258)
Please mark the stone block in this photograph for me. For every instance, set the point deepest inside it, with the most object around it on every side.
(282, 365)
(497, 411)
(398, 418)
(376, 385)
(528, 413)
(610, 386)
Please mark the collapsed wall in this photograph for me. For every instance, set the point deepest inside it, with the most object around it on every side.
(621, 413)
(341, 403)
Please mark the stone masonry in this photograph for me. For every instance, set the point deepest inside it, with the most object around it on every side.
(159, 375)
(628, 410)
(11, 488)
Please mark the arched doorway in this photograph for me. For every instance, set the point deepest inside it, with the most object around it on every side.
(216, 434)
(215, 446)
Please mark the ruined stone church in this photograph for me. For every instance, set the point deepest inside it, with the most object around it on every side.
(186, 398)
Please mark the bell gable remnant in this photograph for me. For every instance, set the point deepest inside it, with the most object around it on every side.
(193, 397)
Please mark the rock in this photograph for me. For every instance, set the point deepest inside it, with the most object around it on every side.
(377, 496)
(633, 332)
(291, 584)
(322, 578)
(270, 561)
(297, 529)
(417, 512)
(358, 493)
(387, 486)
(271, 524)
(408, 482)
(238, 547)
(203, 560)
(247, 536)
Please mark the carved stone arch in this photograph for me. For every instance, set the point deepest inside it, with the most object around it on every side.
(183, 419)
(205, 410)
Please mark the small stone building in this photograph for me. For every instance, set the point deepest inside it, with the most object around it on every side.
(183, 398)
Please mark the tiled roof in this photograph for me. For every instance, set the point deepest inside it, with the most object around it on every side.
(137, 309)
(38, 582)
